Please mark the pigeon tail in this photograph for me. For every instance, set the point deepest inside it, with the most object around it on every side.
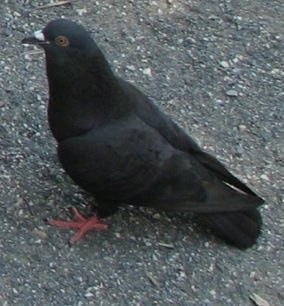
(240, 228)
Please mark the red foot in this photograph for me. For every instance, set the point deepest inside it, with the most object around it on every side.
(84, 225)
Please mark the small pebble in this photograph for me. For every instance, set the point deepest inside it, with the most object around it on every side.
(254, 275)
(147, 243)
(232, 93)
(131, 67)
(157, 216)
(276, 71)
(224, 64)
(117, 235)
(39, 233)
(147, 71)
(242, 128)
(88, 294)
(264, 177)
(239, 150)
(82, 11)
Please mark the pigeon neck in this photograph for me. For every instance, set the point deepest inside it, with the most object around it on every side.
(84, 93)
(83, 78)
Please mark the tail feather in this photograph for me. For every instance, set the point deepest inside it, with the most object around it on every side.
(213, 164)
(240, 228)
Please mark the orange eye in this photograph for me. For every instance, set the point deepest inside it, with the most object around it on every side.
(62, 41)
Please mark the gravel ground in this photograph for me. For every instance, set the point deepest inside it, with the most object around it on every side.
(216, 67)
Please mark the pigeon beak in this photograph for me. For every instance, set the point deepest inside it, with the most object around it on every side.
(37, 38)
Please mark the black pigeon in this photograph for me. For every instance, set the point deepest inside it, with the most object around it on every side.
(115, 143)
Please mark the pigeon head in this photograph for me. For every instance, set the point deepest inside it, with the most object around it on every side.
(63, 36)
(79, 77)
(71, 54)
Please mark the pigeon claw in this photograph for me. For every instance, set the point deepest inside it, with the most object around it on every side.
(81, 223)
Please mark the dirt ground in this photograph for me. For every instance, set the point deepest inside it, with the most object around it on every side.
(217, 68)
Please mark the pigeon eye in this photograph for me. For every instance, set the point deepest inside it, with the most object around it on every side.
(62, 41)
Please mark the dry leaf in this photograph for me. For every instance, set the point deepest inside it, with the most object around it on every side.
(152, 279)
(166, 245)
(259, 301)
(59, 3)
